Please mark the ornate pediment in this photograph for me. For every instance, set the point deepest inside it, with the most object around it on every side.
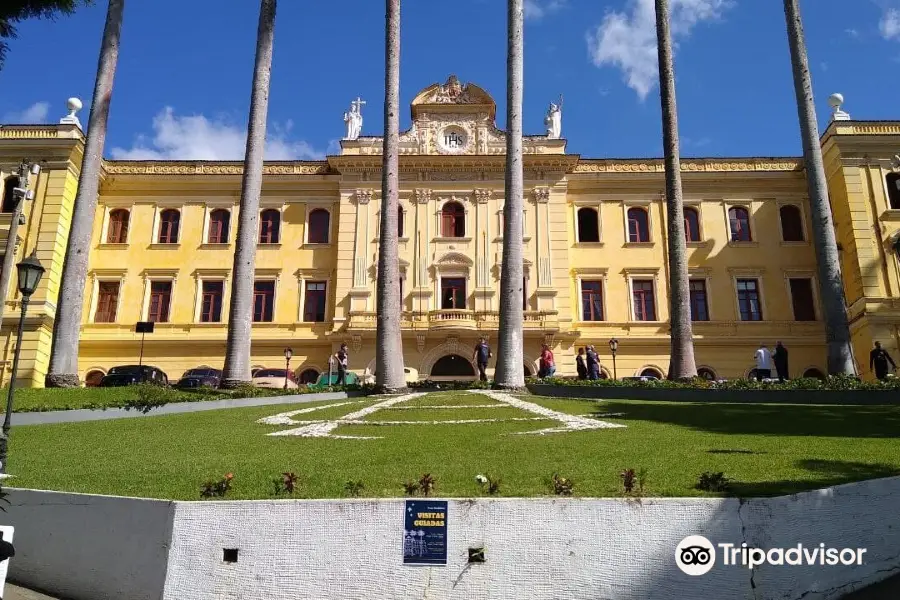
(454, 259)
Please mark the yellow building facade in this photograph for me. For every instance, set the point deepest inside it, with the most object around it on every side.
(595, 248)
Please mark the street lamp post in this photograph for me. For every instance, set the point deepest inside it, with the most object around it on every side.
(30, 272)
(288, 353)
(614, 347)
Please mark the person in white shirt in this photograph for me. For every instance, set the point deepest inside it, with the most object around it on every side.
(763, 363)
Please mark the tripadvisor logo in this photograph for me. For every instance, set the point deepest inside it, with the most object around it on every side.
(696, 555)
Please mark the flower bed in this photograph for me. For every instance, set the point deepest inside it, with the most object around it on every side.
(833, 390)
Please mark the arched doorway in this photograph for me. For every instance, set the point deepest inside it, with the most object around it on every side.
(453, 366)
(92, 379)
(528, 370)
(309, 376)
(652, 373)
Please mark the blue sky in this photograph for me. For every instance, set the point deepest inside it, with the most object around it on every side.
(183, 83)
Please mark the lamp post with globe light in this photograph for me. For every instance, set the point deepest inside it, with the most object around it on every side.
(30, 272)
(614, 347)
(288, 353)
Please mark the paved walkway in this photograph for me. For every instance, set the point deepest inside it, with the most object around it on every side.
(14, 592)
(75, 416)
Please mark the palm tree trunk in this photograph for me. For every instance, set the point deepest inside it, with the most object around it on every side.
(510, 371)
(831, 289)
(389, 376)
(681, 359)
(63, 370)
(240, 317)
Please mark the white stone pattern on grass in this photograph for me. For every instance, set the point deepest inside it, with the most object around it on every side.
(569, 422)
(325, 428)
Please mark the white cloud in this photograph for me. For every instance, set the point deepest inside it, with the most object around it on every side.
(538, 9)
(627, 39)
(33, 115)
(195, 137)
(889, 26)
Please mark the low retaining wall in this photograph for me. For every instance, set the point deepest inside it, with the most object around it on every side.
(94, 548)
(600, 392)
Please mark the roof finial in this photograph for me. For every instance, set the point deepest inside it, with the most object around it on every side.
(836, 101)
(74, 105)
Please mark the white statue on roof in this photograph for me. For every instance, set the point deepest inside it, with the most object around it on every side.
(553, 120)
(354, 120)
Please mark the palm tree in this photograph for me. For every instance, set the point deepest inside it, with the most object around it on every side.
(20, 10)
(681, 360)
(240, 316)
(510, 373)
(837, 328)
(389, 375)
(63, 370)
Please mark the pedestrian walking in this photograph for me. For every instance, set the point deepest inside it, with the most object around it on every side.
(878, 360)
(763, 363)
(593, 363)
(548, 366)
(481, 356)
(781, 362)
(342, 358)
(580, 365)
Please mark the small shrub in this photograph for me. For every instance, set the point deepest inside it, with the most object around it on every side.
(286, 484)
(561, 485)
(641, 480)
(217, 489)
(354, 488)
(839, 382)
(489, 484)
(426, 484)
(713, 482)
(411, 488)
(628, 479)
(149, 396)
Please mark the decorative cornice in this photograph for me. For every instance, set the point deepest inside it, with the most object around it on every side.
(423, 195)
(483, 195)
(542, 195)
(363, 196)
(212, 168)
(691, 165)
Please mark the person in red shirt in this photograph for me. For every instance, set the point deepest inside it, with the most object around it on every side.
(548, 366)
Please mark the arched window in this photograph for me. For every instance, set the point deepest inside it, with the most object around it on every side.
(308, 376)
(739, 220)
(269, 226)
(118, 227)
(92, 379)
(707, 374)
(588, 225)
(253, 370)
(638, 225)
(219, 223)
(813, 374)
(319, 225)
(9, 198)
(893, 186)
(652, 373)
(453, 220)
(791, 223)
(169, 224)
(691, 225)
(400, 221)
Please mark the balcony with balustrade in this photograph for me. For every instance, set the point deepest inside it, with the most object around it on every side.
(456, 321)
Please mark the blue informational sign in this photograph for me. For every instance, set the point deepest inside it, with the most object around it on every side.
(425, 532)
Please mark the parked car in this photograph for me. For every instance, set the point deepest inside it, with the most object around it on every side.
(274, 378)
(199, 378)
(133, 374)
(411, 375)
(323, 381)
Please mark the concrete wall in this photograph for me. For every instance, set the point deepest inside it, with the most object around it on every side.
(86, 547)
(537, 548)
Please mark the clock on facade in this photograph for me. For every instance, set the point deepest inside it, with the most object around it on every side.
(454, 139)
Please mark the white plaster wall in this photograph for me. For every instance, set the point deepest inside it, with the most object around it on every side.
(599, 549)
(86, 547)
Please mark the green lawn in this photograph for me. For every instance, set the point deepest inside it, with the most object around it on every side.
(42, 399)
(763, 449)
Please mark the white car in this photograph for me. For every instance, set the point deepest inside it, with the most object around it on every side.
(275, 379)
(411, 375)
